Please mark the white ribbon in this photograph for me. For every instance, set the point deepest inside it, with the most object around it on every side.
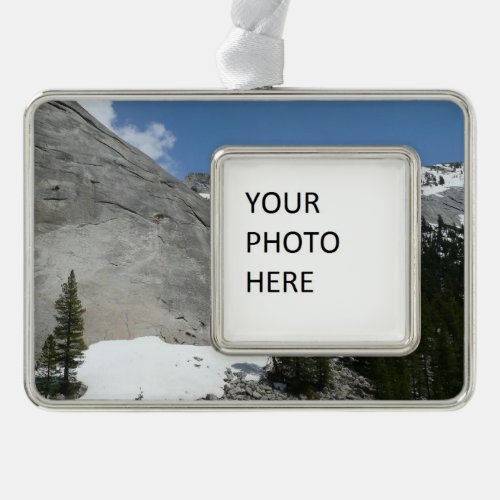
(253, 54)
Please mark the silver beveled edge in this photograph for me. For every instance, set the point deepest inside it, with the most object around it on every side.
(412, 334)
(280, 94)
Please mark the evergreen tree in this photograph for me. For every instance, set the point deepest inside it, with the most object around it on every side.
(69, 334)
(302, 375)
(47, 369)
(324, 372)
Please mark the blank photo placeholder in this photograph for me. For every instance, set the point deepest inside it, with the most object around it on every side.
(315, 250)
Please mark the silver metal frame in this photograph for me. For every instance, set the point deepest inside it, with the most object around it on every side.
(281, 94)
(412, 334)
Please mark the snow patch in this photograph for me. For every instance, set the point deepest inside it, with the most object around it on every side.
(438, 178)
(121, 369)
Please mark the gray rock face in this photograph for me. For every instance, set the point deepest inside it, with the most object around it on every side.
(136, 237)
(199, 183)
(449, 204)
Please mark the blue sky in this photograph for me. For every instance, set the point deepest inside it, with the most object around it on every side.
(182, 135)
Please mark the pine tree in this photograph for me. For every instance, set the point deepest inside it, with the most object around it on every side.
(302, 375)
(46, 368)
(324, 372)
(69, 333)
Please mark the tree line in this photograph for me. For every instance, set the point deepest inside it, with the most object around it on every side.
(435, 369)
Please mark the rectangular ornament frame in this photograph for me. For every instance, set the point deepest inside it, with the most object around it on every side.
(282, 94)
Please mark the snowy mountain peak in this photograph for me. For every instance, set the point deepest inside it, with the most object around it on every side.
(438, 178)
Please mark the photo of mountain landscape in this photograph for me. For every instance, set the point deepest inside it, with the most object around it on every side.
(122, 269)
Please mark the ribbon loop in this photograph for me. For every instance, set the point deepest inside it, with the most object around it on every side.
(253, 54)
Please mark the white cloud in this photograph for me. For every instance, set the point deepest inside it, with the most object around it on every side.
(102, 110)
(155, 140)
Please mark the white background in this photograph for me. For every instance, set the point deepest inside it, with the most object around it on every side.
(152, 44)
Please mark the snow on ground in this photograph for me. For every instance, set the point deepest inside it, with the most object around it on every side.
(205, 195)
(121, 369)
(451, 177)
